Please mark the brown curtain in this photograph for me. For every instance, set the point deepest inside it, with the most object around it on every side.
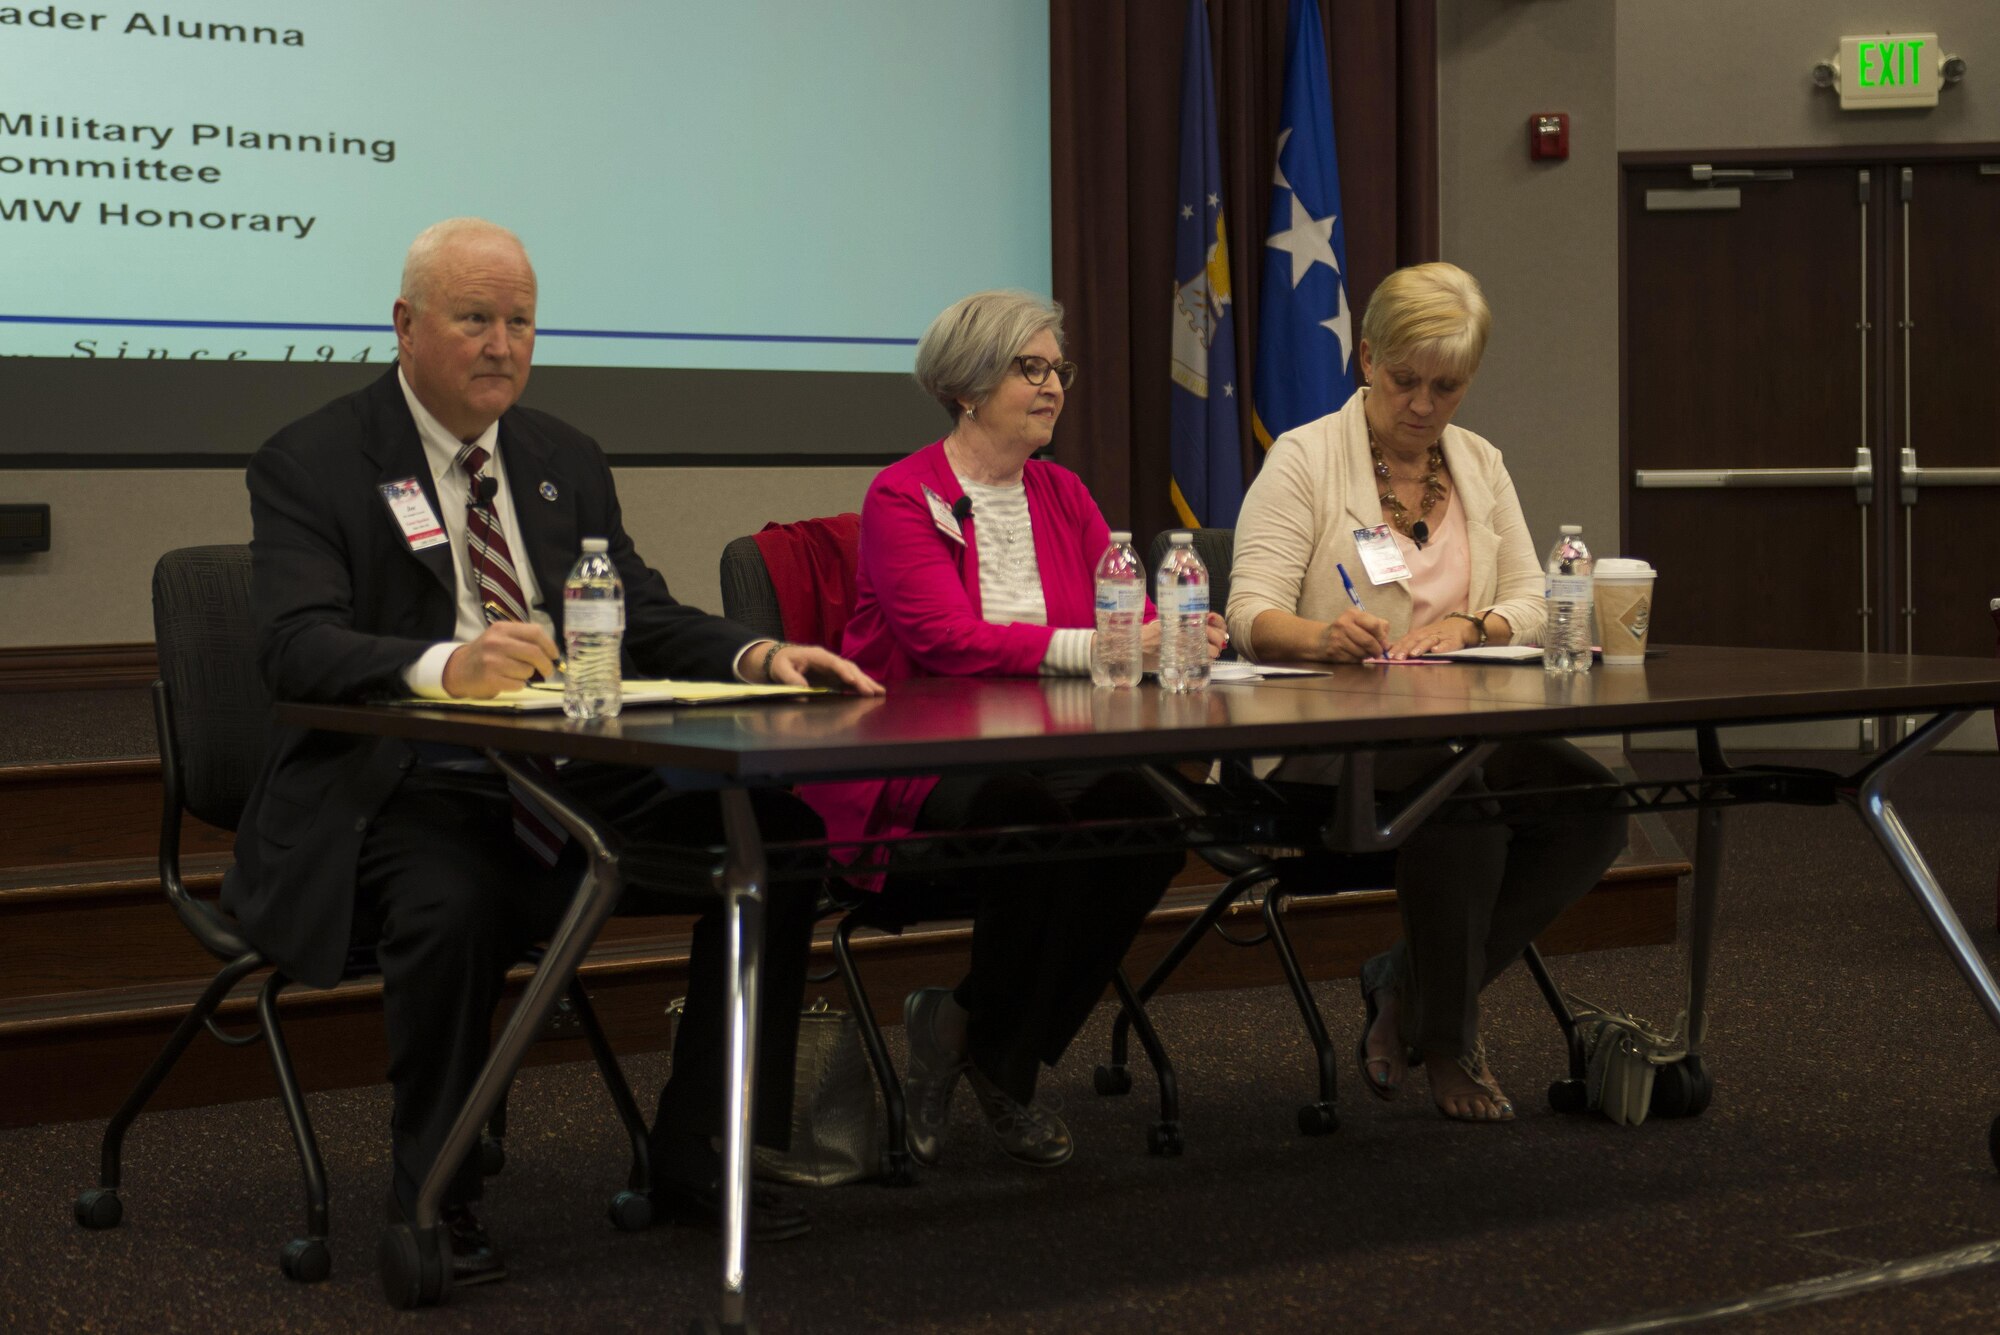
(1115, 76)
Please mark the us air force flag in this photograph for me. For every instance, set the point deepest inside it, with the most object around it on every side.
(1206, 441)
(1305, 332)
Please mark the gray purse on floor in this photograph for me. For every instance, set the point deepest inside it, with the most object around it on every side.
(837, 1130)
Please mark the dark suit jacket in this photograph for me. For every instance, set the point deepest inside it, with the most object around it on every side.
(343, 606)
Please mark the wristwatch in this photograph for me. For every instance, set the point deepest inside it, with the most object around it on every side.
(1478, 621)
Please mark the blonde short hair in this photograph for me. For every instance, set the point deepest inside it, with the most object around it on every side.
(1428, 312)
(420, 264)
(970, 347)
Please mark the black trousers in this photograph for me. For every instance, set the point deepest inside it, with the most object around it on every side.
(1046, 938)
(452, 901)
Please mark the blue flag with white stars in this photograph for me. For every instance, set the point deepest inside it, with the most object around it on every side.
(1305, 331)
(1206, 441)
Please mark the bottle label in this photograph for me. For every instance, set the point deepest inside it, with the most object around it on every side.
(1123, 597)
(1193, 600)
(1568, 588)
(593, 616)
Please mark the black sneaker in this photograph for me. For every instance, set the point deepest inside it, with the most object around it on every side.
(932, 1075)
(1028, 1133)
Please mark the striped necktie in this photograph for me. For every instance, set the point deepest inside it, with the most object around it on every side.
(500, 595)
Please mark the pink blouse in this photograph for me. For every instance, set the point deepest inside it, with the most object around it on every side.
(1440, 574)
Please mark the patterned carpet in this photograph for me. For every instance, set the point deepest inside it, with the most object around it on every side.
(1856, 1081)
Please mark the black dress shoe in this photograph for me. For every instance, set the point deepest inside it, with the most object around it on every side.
(772, 1217)
(475, 1258)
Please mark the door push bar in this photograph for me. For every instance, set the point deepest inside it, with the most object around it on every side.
(1911, 476)
(1861, 477)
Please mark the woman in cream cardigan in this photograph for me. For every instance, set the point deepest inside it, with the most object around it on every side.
(1472, 896)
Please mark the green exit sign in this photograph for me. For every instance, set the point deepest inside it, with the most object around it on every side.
(1892, 70)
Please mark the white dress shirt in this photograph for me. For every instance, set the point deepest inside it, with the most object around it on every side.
(454, 492)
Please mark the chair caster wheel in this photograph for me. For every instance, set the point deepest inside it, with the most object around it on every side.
(415, 1267)
(492, 1156)
(631, 1211)
(306, 1260)
(1681, 1090)
(1164, 1139)
(1318, 1119)
(898, 1169)
(99, 1208)
(1111, 1080)
(1569, 1096)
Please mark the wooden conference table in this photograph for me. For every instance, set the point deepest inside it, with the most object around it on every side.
(943, 726)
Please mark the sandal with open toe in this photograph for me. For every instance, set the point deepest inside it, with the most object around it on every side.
(1474, 1065)
(1388, 1086)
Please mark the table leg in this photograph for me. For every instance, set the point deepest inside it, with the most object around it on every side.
(415, 1269)
(1701, 928)
(743, 889)
(1871, 803)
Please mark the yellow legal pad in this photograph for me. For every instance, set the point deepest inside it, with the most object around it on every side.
(545, 696)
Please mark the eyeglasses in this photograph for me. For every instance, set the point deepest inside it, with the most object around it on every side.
(1035, 370)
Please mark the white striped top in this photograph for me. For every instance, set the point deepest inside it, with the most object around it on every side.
(1010, 578)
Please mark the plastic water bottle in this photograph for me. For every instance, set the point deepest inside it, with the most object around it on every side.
(1566, 636)
(1181, 593)
(1116, 658)
(593, 631)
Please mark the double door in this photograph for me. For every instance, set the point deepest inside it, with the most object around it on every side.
(1812, 399)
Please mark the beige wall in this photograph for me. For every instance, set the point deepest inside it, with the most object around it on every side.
(1729, 74)
(1542, 238)
(111, 525)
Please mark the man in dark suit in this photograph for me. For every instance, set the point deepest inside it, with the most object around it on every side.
(413, 538)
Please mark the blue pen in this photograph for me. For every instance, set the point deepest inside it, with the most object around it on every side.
(1348, 584)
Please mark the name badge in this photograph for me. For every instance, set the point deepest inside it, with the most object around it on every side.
(413, 514)
(1380, 554)
(942, 516)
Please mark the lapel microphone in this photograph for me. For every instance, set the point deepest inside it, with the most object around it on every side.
(1420, 533)
(961, 509)
(485, 488)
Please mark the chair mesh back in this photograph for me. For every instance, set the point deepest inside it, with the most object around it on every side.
(208, 660)
(1215, 547)
(748, 596)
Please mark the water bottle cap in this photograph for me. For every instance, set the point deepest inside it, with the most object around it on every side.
(1121, 535)
(1181, 538)
(1572, 528)
(596, 545)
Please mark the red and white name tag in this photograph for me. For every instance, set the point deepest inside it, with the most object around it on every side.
(412, 512)
(942, 516)
(1380, 555)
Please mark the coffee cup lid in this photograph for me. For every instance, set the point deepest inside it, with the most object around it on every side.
(1622, 565)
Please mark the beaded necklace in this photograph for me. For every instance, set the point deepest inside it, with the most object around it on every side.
(1434, 483)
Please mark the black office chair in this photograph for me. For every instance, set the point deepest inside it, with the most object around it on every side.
(211, 712)
(1293, 864)
(750, 598)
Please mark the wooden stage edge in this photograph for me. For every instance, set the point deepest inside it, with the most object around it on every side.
(57, 1071)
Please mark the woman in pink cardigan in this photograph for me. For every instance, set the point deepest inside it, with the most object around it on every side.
(977, 559)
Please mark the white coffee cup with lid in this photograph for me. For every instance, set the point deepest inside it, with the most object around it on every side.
(1623, 595)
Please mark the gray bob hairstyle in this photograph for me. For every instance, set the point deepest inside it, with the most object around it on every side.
(968, 350)
(1431, 312)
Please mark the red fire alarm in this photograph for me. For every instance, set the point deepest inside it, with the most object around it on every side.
(1548, 136)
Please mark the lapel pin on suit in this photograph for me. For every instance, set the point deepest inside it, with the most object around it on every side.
(548, 490)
